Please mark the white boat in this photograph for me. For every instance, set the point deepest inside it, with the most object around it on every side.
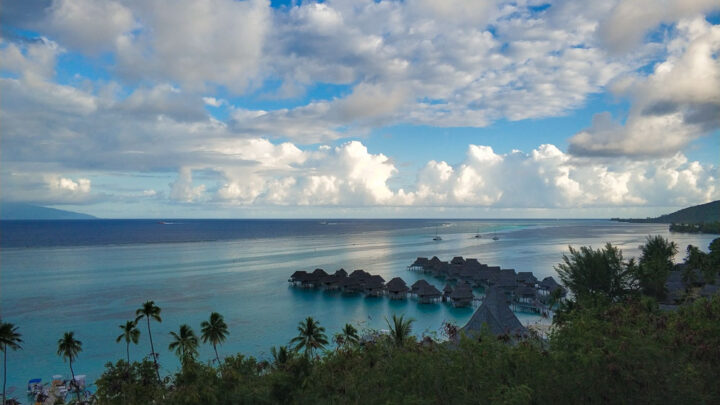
(437, 237)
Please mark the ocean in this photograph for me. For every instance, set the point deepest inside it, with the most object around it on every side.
(89, 276)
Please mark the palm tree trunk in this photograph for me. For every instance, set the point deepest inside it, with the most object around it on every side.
(216, 354)
(152, 350)
(4, 370)
(127, 349)
(73, 382)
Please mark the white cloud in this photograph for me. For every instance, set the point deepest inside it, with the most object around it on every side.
(88, 25)
(630, 20)
(183, 189)
(678, 102)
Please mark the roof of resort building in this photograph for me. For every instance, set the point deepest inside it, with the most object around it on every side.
(471, 262)
(435, 261)
(428, 291)
(448, 288)
(462, 291)
(549, 283)
(495, 313)
(299, 275)
(421, 261)
(416, 285)
(457, 260)
(341, 273)
(360, 274)
(397, 285)
(525, 291)
(319, 273)
(526, 277)
(374, 283)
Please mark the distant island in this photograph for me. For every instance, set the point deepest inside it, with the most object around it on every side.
(20, 211)
(703, 218)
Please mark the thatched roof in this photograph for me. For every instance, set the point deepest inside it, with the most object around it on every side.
(299, 275)
(421, 262)
(319, 273)
(428, 291)
(435, 261)
(359, 274)
(448, 288)
(549, 283)
(457, 260)
(472, 263)
(462, 291)
(495, 313)
(418, 285)
(374, 282)
(397, 285)
(506, 278)
(526, 277)
(525, 291)
(341, 273)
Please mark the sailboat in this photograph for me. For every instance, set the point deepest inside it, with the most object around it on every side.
(495, 237)
(437, 237)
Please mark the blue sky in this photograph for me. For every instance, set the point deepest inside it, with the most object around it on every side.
(222, 108)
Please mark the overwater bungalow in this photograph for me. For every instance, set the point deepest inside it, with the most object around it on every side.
(374, 286)
(419, 264)
(462, 295)
(495, 315)
(506, 281)
(457, 260)
(341, 273)
(298, 277)
(428, 294)
(525, 299)
(359, 275)
(397, 289)
(526, 278)
(351, 285)
(331, 282)
(548, 285)
(416, 286)
(315, 278)
(447, 290)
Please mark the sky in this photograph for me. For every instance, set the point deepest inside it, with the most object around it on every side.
(352, 108)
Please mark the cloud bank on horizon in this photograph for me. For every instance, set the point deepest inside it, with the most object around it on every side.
(137, 107)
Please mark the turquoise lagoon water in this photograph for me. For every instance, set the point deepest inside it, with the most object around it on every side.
(90, 285)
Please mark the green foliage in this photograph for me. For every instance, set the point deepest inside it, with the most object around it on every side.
(129, 384)
(130, 334)
(149, 310)
(68, 347)
(347, 338)
(311, 336)
(655, 264)
(215, 331)
(9, 339)
(184, 343)
(400, 329)
(702, 227)
(597, 274)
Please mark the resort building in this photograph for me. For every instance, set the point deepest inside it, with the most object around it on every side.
(374, 286)
(397, 289)
(495, 315)
(428, 294)
(462, 295)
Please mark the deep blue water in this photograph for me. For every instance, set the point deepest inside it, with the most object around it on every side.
(90, 276)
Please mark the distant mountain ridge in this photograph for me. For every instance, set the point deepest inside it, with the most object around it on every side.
(703, 213)
(13, 210)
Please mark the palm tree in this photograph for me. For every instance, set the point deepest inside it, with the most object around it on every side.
(348, 336)
(150, 310)
(130, 333)
(214, 331)
(185, 343)
(9, 339)
(281, 355)
(311, 336)
(69, 348)
(400, 329)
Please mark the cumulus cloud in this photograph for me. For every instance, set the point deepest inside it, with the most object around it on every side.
(88, 25)
(183, 189)
(677, 103)
(630, 20)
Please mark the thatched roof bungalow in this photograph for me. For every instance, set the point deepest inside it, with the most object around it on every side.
(416, 286)
(341, 273)
(420, 264)
(351, 285)
(495, 315)
(526, 278)
(397, 289)
(428, 294)
(457, 260)
(298, 277)
(374, 286)
(462, 295)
